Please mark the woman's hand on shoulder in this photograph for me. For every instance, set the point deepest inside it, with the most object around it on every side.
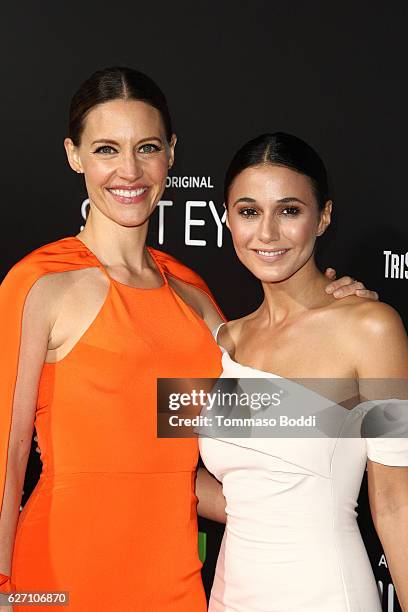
(346, 285)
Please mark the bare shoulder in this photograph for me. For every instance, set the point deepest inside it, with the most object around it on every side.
(370, 317)
(374, 337)
(229, 334)
(47, 295)
(43, 297)
(197, 299)
(52, 287)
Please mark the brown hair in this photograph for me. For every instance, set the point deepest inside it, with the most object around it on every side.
(112, 84)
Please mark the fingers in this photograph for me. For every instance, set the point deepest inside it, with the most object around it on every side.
(37, 449)
(330, 273)
(350, 289)
(345, 286)
(341, 282)
(366, 293)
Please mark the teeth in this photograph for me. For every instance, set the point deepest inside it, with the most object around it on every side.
(271, 253)
(128, 193)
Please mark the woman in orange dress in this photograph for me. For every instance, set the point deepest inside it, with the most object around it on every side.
(89, 324)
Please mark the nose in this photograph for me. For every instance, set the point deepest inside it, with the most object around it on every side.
(268, 230)
(130, 167)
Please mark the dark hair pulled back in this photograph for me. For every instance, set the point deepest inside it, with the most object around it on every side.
(285, 150)
(114, 83)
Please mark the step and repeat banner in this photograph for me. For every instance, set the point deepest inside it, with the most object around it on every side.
(330, 74)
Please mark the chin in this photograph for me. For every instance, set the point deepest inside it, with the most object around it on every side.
(130, 218)
(131, 222)
(270, 276)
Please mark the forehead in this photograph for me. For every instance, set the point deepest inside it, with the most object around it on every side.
(123, 120)
(271, 182)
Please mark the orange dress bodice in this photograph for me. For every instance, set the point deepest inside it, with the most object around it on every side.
(112, 520)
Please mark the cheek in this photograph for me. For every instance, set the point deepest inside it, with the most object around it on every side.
(301, 231)
(96, 173)
(157, 169)
(242, 231)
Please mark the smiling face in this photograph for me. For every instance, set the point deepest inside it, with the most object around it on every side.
(274, 219)
(125, 156)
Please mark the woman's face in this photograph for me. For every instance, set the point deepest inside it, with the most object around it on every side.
(125, 156)
(274, 219)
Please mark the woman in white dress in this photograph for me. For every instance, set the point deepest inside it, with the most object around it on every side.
(292, 543)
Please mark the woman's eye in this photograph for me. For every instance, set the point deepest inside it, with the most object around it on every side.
(248, 212)
(290, 211)
(105, 149)
(149, 148)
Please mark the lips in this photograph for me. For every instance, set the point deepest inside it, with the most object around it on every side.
(271, 254)
(128, 194)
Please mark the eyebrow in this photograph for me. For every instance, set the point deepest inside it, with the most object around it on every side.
(113, 142)
(286, 200)
(245, 199)
(291, 199)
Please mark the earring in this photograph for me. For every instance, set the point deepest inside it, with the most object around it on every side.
(79, 171)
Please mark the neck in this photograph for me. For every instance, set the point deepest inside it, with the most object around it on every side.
(114, 244)
(303, 291)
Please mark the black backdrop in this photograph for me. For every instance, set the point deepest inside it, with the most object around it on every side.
(330, 72)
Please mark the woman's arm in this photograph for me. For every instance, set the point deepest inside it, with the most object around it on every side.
(211, 501)
(33, 349)
(388, 495)
(383, 355)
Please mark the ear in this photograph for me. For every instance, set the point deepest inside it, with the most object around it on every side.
(172, 146)
(73, 155)
(226, 218)
(325, 218)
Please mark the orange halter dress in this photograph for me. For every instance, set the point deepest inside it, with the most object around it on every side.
(112, 520)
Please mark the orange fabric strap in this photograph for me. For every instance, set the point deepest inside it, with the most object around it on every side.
(6, 586)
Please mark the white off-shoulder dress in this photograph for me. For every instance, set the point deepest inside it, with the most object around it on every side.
(292, 543)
